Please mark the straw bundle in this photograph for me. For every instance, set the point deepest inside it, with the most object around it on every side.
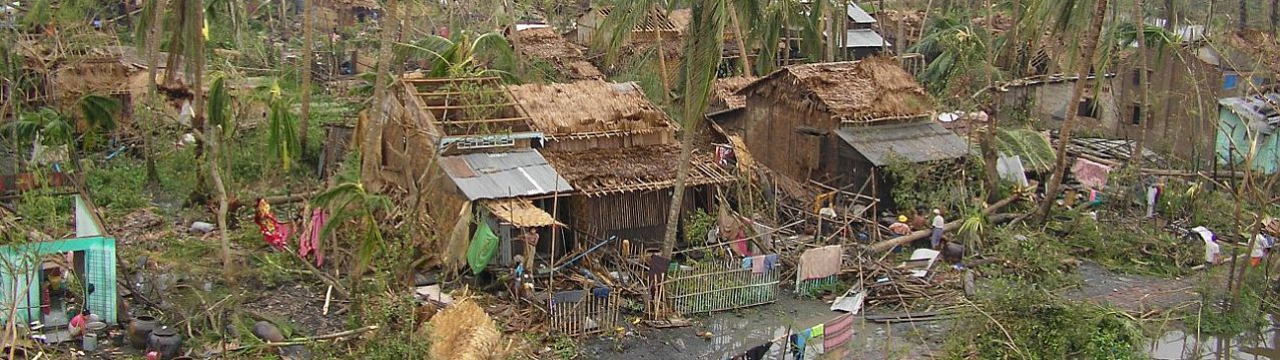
(465, 332)
(589, 106)
(726, 89)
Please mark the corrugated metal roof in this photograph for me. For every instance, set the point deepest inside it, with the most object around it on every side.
(858, 38)
(859, 16)
(915, 142)
(503, 175)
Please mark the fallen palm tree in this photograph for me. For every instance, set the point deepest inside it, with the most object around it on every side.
(951, 226)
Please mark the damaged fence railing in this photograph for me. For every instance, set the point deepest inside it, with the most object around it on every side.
(718, 286)
(583, 312)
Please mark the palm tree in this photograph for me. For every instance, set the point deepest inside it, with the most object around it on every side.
(702, 51)
(1084, 60)
(148, 32)
(463, 57)
(99, 112)
(308, 58)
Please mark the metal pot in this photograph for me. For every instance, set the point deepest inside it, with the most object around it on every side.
(165, 341)
(139, 330)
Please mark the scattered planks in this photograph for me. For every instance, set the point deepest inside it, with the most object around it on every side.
(951, 226)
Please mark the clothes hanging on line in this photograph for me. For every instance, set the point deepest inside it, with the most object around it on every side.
(820, 263)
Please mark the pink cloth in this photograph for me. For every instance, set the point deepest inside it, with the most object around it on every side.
(310, 241)
(820, 263)
(838, 331)
(1093, 175)
(741, 247)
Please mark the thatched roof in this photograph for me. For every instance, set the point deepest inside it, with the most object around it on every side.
(544, 43)
(636, 168)
(590, 108)
(853, 91)
(725, 93)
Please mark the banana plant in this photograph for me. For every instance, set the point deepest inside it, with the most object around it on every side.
(282, 125)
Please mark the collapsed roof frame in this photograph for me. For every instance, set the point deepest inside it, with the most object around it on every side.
(468, 112)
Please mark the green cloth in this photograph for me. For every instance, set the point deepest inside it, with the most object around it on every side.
(484, 244)
(816, 331)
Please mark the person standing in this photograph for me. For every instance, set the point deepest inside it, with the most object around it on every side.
(938, 223)
(1153, 196)
(1259, 250)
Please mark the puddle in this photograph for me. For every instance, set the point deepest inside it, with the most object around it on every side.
(733, 333)
(1261, 345)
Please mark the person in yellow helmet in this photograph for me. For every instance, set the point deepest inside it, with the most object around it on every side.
(898, 229)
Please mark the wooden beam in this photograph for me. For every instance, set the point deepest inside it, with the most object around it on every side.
(471, 106)
(449, 93)
(451, 80)
(483, 121)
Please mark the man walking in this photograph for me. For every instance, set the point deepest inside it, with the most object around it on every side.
(938, 223)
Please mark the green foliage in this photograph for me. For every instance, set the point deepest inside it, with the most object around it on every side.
(219, 107)
(565, 348)
(1216, 317)
(1021, 322)
(398, 338)
(117, 185)
(1030, 256)
(282, 128)
(960, 65)
(351, 203)
(1034, 149)
(277, 268)
(462, 56)
(942, 184)
(45, 124)
(696, 227)
(1125, 246)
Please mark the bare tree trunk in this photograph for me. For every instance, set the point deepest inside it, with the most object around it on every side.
(987, 144)
(175, 44)
(1144, 86)
(1275, 17)
(1244, 15)
(308, 58)
(830, 28)
(1088, 47)
(677, 198)
(371, 155)
(153, 46)
(211, 140)
(738, 34)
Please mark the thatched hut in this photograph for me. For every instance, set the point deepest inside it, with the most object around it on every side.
(594, 114)
(543, 43)
(838, 122)
(619, 153)
(728, 108)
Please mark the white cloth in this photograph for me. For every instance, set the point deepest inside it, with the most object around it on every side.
(1152, 193)
(828, 212)
(939, 222)
(1211, 248)
(1259, 246)
(185, 115)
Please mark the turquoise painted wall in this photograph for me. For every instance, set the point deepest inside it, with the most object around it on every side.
(19, 275)
(1234, 131)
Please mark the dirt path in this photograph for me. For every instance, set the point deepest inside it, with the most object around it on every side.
(1133, 293)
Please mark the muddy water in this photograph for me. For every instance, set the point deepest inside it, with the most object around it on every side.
(733, 333)
(1259, 345)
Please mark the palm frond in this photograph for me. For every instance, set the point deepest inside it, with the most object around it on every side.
(99, 111)
(219, 107)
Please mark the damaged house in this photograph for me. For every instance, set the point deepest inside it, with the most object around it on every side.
(619, 153)
(653, 28)
(840, 123)
(544, 44)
